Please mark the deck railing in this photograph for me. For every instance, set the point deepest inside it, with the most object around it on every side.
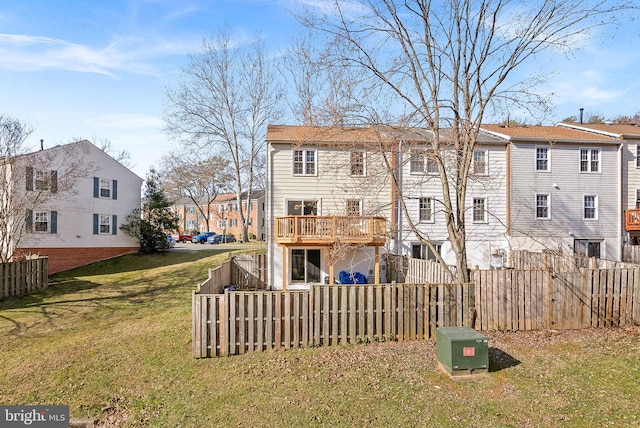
(632, 219)
(326, 229)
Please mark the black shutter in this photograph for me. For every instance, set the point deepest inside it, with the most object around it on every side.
(28, 223)
(115, 189)
(54, 181)
(29, 178)
(95, 224)
(54, 221)
(114, 224)
(96, 187)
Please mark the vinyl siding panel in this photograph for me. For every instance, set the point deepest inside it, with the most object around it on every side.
(76, 208)
(566, 222)
(480, 236)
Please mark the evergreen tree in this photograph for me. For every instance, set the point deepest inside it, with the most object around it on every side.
(154, 220)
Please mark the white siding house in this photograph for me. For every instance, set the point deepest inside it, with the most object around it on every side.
(564, 190)
(336, 179)
(629, 138)
(80, 197)
(485, 205)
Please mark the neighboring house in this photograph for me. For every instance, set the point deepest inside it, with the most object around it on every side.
(226, 219)
(629, 137)
(328, 204)
(223, 215)
(485, 203)
(189, 218)
(80, 198)
(563, 190)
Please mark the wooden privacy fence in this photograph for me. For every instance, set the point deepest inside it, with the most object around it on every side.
(243, 271)
(522, 259)
(428, 271)
(533, 300)
(24, 277)
(239, 322)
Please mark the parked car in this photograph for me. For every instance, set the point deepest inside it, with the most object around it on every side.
(218, 239)
(184, 238)
(202, 237)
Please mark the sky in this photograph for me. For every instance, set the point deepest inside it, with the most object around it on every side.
(99, 70)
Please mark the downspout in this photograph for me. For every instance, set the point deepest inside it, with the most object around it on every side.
(622, 203)
(508, 201)
(396, 195)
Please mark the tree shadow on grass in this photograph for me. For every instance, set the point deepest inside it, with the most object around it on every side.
(500, 360)
(137, 261)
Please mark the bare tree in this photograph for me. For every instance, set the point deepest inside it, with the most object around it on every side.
(199, 179)
(227, 96)
(122, 156)
(30, 181)
(447, 64)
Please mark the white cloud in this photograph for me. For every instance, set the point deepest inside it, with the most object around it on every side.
(130, 54)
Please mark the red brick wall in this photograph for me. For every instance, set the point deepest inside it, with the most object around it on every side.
(68, 258)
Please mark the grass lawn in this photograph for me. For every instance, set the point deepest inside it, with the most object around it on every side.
(113, 341)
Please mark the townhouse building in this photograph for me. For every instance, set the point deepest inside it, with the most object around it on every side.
(328, 204)
(564, 190)
(629, 138)
(536, 188)
(75, 197)
(422, 191)
(222, 215)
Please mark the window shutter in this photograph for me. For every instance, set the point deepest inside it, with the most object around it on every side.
(29, 178)
(114, 224)
(96, 187)
(28, 224)
(54, 221)
(54, 181)
(95, 224)
(114, 192)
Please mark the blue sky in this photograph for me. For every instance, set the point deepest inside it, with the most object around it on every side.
(99, 69)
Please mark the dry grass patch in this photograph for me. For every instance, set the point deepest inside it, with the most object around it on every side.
(113, 341)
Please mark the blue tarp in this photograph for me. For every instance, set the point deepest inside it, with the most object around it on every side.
(352, 278)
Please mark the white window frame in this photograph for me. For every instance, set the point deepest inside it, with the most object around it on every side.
(546, 159)
(581, 247)
(306, 266)
(483, 214)
(301, 163)
(222, 223)
(431, 166)
(353, 207)
(104, 189)
(426, 210)
(484, 153)
(234, 222)
(591, 207)
(104, 224)
(587, 165)
(638, 155)
(303, 203)
(358, 166)
(547, 197)
(417, 164)
(41, 221)
(425, 251)
(41, 179)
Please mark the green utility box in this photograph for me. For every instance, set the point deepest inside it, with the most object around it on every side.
(462, 351)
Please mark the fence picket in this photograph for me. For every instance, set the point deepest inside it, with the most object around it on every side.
(244, 321)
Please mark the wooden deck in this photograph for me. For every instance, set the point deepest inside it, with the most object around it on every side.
(326, 230)
(632, 220)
